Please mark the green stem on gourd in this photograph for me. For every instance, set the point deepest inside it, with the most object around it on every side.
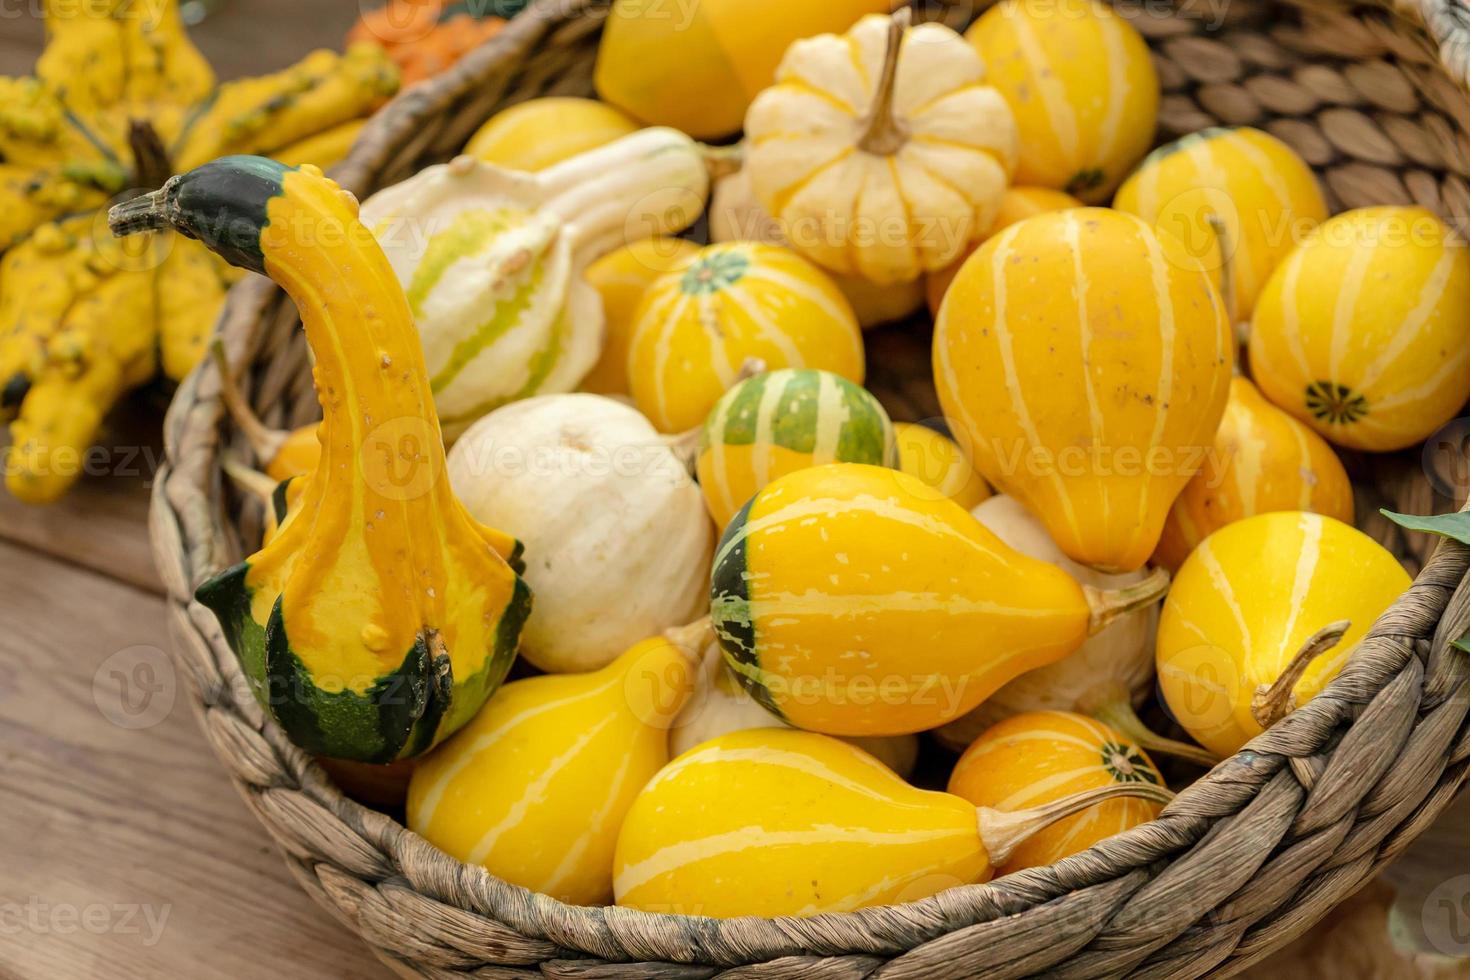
(1002, 832)
(1112, 706)
(1110, 605)
(1273, 702)
(883, 133)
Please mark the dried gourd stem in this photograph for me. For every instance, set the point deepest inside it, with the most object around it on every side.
(252, 481)
(722, 161)
(1109, 605)
(1273, 702)
(151, 166)
(264, 441)
(692, 639)
(883, 133)
(1227, 274)
(1113, 708)
(1002, 833)
(685, 445)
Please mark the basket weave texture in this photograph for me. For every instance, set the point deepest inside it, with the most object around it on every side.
(1241, 863)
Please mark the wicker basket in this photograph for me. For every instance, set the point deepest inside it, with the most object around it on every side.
(1242, 862)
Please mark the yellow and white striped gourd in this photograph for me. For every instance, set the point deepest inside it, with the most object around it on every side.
(1082, 85)
(936, 459)
(1045, 756)
(1363, 332)
(775, 822)
(1083, 362)
(781, 421)
(536, 786)
(854, 600)
(1262, 460)
(621, 278)
(1247, 601)
(1264, 196)
(492, 261)
(733, 303)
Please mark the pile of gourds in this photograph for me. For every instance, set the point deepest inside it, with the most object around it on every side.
(722, 551)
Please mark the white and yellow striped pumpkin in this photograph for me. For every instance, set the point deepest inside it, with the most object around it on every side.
(782, 421)
(1363, 333)
(1247, 600)
(1084, 362)
(881, 153)
(1082, 85)
(1044, 756)
(1265, 197)
(1262, 460)
(700, 324)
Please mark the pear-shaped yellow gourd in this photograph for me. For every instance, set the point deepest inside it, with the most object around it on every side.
(1084, 361)
(1262, 616)
(854, 600)
(536, 786)
(773, 822)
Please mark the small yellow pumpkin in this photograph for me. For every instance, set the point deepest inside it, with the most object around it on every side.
(621, 278)
(1084, 362)
(1262, 460)
(1082, 85)
(1045, 756)
(1363, 333)
(882, 153)
(1264, 196)
(698, 325)
(1262, 616)
(539, 133)
(934, 457)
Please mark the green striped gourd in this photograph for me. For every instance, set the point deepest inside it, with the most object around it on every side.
(492, 261)
(782, 421)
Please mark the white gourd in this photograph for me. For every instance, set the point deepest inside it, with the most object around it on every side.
(617, 540)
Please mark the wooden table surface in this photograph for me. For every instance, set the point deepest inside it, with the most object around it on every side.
(124, 851)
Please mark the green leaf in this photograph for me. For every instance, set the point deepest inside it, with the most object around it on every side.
(1454, 526)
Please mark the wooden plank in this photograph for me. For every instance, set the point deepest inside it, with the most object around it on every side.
(126, 852)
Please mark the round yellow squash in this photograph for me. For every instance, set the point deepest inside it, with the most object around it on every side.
(1044, 756)
(1363, 332)
(1082, 86)
(881, 153)
(1265, 197)
(936, 459)
(536, 134)
(621, 278)
(699, 325)
(1262, 460)
(1084, 362)
(1247, 601)
(696, 66)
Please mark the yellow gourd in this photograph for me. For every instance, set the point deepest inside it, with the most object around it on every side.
(1265, 197)
(1046, 756)
(882, 153)
(536, 786)
(854, 600)
(1017, 204)
(540, 133)
(732, 303)
(621, 278)
(1363, 333)
(934, 458)
(1083, 88)
(1083, 362)
(697, 66)
(1262, 616)
(775, 822)
(1262, 460)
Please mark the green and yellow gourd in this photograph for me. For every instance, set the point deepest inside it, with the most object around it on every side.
(782, 421)
(381, 616)
(493, 260)
(854, 600)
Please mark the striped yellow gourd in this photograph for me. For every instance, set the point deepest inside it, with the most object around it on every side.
(774, 822)
(1044, 756)
(1084, 362)
(854, 600)
(621, 278)
(936, 459)
(1265, 197)
(1263, 460)
(782, 421)
(1247, 601)
(536, 786)
(1363, 332)
(1082, 85)
(732, 303)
